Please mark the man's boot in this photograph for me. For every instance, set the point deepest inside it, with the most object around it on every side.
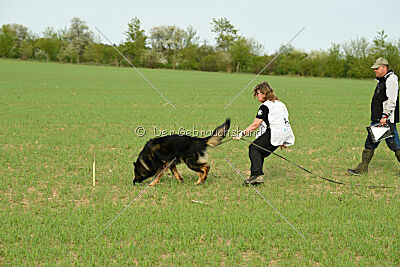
(397, 153)
(362, 167)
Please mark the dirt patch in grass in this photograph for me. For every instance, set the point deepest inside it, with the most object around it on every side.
(249, 256)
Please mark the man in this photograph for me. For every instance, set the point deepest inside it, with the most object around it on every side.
(384, 109)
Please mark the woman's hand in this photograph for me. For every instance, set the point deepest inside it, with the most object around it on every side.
(256, 123)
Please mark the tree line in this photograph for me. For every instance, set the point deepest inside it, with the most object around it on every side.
(173, 47)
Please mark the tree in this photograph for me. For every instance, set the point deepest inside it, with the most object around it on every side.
(191, 38)
(50, 43)
(358, 58)
(335, 66)
(226, 33)
(15, 41)
(223, 60)
(170, 40)
(259, 62)
(136, 40)
(313, 64)
(153, 59)
(26, 49)
(209, 63)
(95, 52)
(290, 63)
(49, 46)
(22, 47)
(190, 57)
(7, 40)
(240, 52)
(382, 47)
(78, 37)
(380, 43)
(69, 54)
(285, 49)
(167, 38)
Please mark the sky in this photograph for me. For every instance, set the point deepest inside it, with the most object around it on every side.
(271, 23)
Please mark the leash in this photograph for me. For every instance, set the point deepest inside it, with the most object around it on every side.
(313, 174)
(226, 141)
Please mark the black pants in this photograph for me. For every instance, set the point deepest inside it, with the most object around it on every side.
(257, 154)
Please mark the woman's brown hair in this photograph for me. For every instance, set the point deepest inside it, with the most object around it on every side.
(266, 89)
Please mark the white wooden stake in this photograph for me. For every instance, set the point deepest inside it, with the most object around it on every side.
(94, 169)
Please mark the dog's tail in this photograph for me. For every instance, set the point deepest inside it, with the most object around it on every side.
(218, 134)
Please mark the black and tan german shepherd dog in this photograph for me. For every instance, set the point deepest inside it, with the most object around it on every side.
(165, 152)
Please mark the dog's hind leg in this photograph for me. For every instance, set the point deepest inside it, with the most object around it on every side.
(175, 172)
(201, 168)
(200, 173)
(160, 172)
(203, 173)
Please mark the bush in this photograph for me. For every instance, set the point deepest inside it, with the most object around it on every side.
(209, 63)
(40, 55)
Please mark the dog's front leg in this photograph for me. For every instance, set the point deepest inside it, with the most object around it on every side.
(175, 172)
(160, 172)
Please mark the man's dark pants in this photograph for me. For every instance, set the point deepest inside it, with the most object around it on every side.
(393, 142)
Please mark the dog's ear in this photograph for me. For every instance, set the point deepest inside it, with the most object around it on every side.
(135, 164)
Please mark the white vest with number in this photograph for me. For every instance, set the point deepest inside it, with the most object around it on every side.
(278, 120)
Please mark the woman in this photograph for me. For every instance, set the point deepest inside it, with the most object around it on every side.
(274, 130)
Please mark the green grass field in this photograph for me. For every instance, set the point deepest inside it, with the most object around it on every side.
(54, 117)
